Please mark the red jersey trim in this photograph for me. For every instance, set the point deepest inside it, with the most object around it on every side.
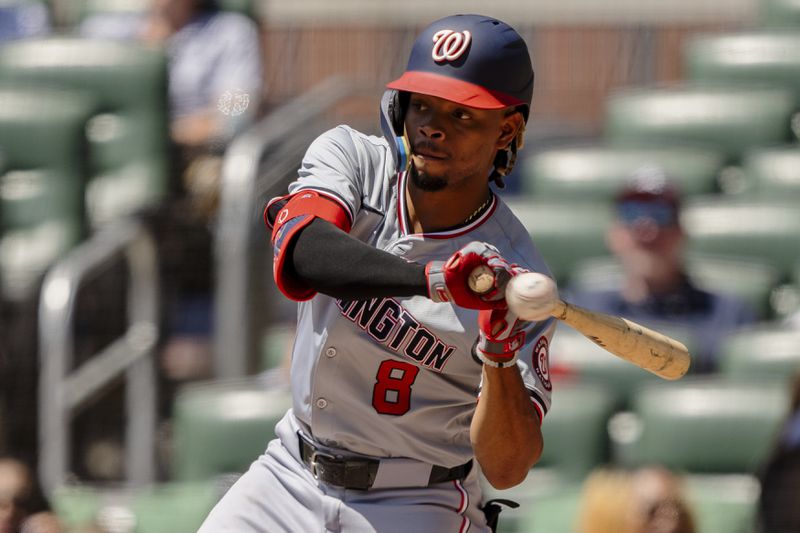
(463, 505)
(331, 196)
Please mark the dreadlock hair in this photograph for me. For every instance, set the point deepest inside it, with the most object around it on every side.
(505, 159)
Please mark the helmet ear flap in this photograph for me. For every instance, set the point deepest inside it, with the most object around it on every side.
(393, 109)
(394, 104)
(400, 107)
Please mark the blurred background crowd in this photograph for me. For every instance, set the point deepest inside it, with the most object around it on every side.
(143, 344)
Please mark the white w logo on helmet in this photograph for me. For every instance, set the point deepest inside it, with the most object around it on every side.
(449, 45)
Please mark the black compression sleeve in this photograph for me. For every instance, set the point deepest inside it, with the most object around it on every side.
(334, 263)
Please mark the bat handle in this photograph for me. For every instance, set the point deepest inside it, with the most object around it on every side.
(560, 309)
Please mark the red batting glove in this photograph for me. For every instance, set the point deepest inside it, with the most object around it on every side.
(501, 336)
(449, 281)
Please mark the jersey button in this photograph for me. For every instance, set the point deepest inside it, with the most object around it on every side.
(322, 403)
(330, 352)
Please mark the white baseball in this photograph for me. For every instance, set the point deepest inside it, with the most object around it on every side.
(531, 296)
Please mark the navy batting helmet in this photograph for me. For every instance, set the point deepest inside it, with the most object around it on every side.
(474, 60)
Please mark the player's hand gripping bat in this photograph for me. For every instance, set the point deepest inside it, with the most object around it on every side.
(533, 296)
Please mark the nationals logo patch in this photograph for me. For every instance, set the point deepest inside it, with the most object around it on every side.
(541, 355)
(449, 45)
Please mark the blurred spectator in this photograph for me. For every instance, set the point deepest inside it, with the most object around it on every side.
(606, 497)
(659, 503)
(648, 240)
(647, 500)
(778, 509)
(22, 506)
(215, 76)
(20, 19)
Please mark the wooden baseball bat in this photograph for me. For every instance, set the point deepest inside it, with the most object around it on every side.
(645, 348)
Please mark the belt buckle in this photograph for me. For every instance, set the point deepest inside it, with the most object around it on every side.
(312, 461)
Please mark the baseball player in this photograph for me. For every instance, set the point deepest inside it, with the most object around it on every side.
(405, 383)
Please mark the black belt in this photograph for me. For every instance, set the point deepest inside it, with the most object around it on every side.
(359, 474)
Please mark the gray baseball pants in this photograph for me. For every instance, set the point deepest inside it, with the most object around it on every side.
(279, 494)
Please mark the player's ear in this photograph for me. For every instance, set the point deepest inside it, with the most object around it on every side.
(510, 125)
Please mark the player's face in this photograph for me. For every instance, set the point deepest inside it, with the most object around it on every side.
(452, 143)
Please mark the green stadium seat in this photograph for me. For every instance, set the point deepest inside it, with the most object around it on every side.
(549, 503)
(276, 346)
(796, 274)
(575, 435)
(246, 7)
(772, 172)
(746, 58)
(597, 173)
(162, 508)
(222, 427)
(721, 117)
(750, 280)
(565, 232)
(42, 143)
(768, 351)
(76, 506)
(553, 512)
(128, 134)
(710, 426)
(87, 7)
(779, 13)
(723, 503)
(174, 506)
(763, 230)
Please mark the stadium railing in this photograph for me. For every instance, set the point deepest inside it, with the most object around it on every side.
(596, 172)
(63, 391)
(763, 57)
(717, 115)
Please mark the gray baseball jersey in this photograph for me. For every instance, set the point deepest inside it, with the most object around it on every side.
(391, 378)
(395, 377)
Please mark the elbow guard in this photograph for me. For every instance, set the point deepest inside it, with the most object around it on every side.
(293, 213)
